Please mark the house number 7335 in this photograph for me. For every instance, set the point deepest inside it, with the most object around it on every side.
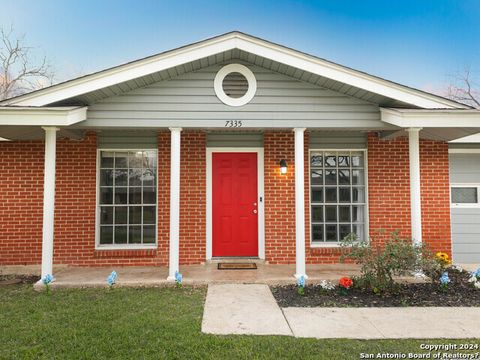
(233, 123)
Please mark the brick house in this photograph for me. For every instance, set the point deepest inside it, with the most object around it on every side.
(229, 147)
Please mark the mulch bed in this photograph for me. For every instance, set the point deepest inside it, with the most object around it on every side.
(459, 293)
(6, 280)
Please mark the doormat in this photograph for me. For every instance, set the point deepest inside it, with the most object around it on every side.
(237, 266)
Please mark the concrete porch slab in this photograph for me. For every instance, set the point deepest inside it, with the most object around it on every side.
(243, 309)
(385, 323)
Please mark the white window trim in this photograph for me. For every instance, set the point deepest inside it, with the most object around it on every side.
(367, 219)
(260, 193)
(97, 208)
(465, 205)
(238, 68)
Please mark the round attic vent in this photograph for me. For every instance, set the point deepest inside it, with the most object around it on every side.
(235, 85)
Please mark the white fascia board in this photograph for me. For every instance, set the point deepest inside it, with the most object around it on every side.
(25, 116)
(224, 43)
(342, 74)
(431, 118)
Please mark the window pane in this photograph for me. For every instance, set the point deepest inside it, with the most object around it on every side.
(135, 177)
(135, 214)
(149, 195)
(330, 213)
(106, 235)
(331, 232)
(330, 160)
(317, 177)
(343, 161)
(121, 177)
(317, 213)
(120, 234)
(149, 234)
(149, 214)
(106, 159)
(344, 177)
(357, 213)
(317, 233)
(121, 195)
(121, 160)
(135, 159)
(358, 177)
(357, 159)
(106, 196)
(106, 215)
(106, 177)
(464, 195)
(358, 195)
(359, 231)
(345, 230)
(316, 160)
(344, 213)
(317, 194)
(148, 177)
(330, 177)
(120, 215)
(135, 195)
(135, 235)
(344, 194)
(331, 194)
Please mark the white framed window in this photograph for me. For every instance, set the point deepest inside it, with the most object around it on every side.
(338, 195)
(235, 85)
(465, 195)
(126, 199)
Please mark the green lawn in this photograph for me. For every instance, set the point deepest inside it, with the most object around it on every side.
(145, 324)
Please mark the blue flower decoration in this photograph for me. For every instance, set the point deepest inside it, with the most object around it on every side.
(178, 277)
(47, 279)
(301, 281)
(477, 273)
(112, 278)
(444, 279)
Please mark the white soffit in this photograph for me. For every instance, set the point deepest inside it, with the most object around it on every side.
(43, 116)
(434, 118)
(229, 41)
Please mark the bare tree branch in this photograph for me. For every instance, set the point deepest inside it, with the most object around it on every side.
(465, 89)
(20, 70)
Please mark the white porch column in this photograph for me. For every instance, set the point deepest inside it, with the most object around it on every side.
(174, 202)
(299, 203)
(49, 200)
(415, 199)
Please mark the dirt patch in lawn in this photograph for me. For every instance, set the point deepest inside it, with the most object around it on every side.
(459, 293)
(6, 280)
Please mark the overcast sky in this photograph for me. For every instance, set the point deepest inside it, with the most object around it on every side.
(420, 43)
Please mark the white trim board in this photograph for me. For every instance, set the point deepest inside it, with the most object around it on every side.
(260, 190)
(222, 43)
(43, 116)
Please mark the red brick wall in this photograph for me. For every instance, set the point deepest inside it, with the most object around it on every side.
(389, 190)
(21, 202)
(193, 198)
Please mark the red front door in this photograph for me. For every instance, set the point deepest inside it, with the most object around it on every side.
(234, 200)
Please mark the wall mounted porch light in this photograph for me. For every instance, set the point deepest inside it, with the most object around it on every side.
(283, 166)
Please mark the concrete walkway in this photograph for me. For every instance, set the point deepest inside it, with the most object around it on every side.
(243, 309)
(251, 309)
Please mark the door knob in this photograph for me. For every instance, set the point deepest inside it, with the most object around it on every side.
(254, 204)
(255, 211)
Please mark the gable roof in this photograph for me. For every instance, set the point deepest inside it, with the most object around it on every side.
(225, 43)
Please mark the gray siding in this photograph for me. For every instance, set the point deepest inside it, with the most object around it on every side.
(191, 96)
(338, 140)
(223, 139)
(465, 168)
(466, 235)
(127, 140)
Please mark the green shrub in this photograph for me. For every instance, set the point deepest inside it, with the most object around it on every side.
(381, 263)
